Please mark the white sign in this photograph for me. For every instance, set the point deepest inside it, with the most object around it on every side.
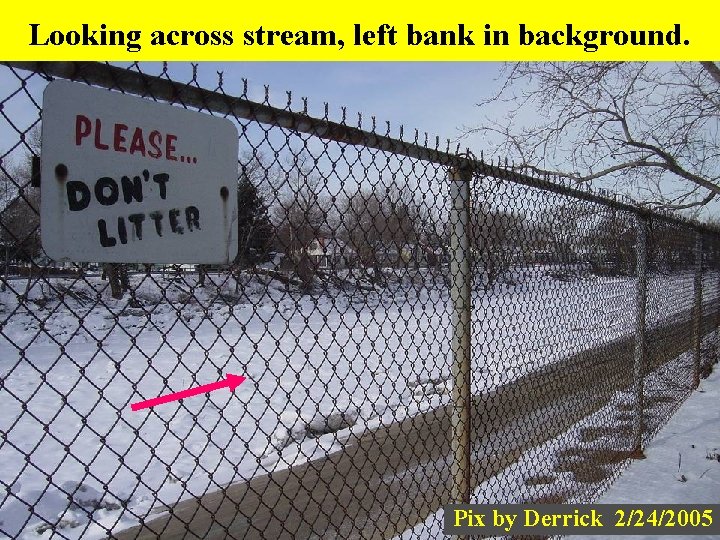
(125, 179)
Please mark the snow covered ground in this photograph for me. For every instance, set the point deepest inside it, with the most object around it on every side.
(352, 356)
(682, 464)
(683, 461)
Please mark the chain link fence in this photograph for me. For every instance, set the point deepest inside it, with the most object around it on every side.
(417, 327)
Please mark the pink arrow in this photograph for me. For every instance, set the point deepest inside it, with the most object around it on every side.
(231, 381)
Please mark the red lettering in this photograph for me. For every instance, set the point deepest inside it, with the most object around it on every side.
(138, 143)
(83, 127)
(98, 144)
(170, 147)
(156, 145)
(155, 141)
(119, 138)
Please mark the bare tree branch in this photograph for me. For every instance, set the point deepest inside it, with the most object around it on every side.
(653, 130)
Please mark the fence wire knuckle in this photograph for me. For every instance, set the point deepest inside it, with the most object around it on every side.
(417, 327)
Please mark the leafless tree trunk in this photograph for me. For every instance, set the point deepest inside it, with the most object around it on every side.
(202, 274)
(7, 268)
(114, 277)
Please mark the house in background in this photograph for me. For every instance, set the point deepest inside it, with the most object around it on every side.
(330, 253)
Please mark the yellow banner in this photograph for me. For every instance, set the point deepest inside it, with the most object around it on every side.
(367, 30)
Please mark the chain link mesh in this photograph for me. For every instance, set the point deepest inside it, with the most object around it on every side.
(358, 419)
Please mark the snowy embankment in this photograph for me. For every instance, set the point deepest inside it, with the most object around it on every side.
(320, 368)
(683, 461)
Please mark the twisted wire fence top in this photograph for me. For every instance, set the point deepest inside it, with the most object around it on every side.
(338, 309)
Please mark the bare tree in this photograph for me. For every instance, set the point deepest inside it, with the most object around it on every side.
(300, 219)
(494, 241)
(639, 125)
(612, 243)
(363, 221)
(552, 233)
(299, 215)
(385, 225)
(117, 276)
(670, 248)
(20, 221)
(254, 228)
(20, 204)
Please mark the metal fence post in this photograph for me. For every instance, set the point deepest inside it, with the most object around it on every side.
(641, 304)
(460, 292)
(697, 311)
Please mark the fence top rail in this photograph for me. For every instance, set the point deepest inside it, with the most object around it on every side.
(136, 82)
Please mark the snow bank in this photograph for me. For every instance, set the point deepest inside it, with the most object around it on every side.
(294, 427)
(321, 368)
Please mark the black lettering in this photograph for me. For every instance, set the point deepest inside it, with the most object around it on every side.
(89, 37)
(192, 217)
(133, 38)
(132, 189)
(75, 188)
(122, 230)
(442, 37)
(137, 220)
(161, 179)
(57, 37)
(673, 37)
(105, 240)
(34, 39)
(174, 225)
(526, 36)
(590, 36)
(186, 34)
(157, 38)
(465, 37)
(573, 37)
(414, 36)
(72, 38)
(543, 37)
(112, 197)
(157, 218)
(202, 37)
